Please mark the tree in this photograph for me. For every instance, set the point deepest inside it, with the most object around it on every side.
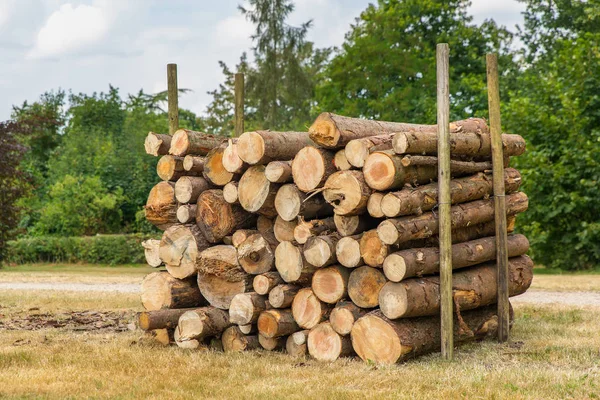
(386, 68)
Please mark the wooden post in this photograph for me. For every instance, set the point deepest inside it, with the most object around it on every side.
(239, 104)
(443, 123)
(172, 95)
(499, 201)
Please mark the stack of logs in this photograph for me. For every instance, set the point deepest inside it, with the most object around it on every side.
(324, 242)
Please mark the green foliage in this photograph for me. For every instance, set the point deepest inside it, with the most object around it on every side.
(100, 249)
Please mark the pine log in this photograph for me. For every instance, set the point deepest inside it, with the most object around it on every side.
(160, 290)
(340, 161)
(374, 205)
(201, 323)
(230, 193)
(216, 218)
(358, 150)
(170, 168)
(263, 283)
(235, 341)
(311, 167)
(160, 319)
(276, 323)
(281, 296)
(256, 254)
(296, 345)
(151, 253)
(161, 206)
(193, 164)
(320, 250)
(291, 264)
(231, 160)
(330, 285)
(256, 194)
(378, 339)
(472, 144)
(423, 198)
(248, 329)
(347, 192)
(457, 167)
(157, 144)
(291, 203)
(180, 249)
(307, 229)
(426, 260)
(262, 147)
(185, 141)
(308, 310)
(240, 236)
(163, 337)
(471, 288)
(398, 230)
(383, 170)
(350, 225)
(214, 172)
(220, 277)
(284, 230)
(279, 171)
(188, 188)
(364, 285)
(246, 307)
(372, 250)
(344, 315)
(264, 224)
(347, 251)
(186, 214)
(272, 344)
(325, 344)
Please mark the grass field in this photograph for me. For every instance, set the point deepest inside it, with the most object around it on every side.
(554, 353)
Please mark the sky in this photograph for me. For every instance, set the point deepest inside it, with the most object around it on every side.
(86, 45)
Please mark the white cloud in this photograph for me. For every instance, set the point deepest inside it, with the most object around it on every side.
(6, 10)
(234, 30)
(70, 28)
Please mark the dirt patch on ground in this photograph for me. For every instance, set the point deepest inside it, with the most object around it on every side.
(110, 321)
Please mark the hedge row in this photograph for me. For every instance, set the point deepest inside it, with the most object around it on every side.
(99, 249)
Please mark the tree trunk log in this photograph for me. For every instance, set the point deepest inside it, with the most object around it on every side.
(256, 254)
(263, 283)
(358, 150)
(330, 284)
(308, 310)
(264, 224)
(193, 164)
(216, 218)
(284, 230)
(325, 344)
(246, 307)
(161, 206)
(347, 192)
(291, 203)
(160, 290)
(185, 141)
(281, 296)
(307, 229)
(230, 193)
(188, 188)
(426, 260)
(374, 205)
(231, 160)
(320, 250)
(291, 264)
(347, 251)
(344, 315)
(276, 323)
(214, 172)
(248, 329)
(457, 167)
(272, 344)
(186, 214)
(240, 236)
(163, 337)
(262, 147)
(296, 345)
(364, 285)
(256, 194)
(180, 249)
(196, 325)
(406, 338)
(350, 225)
(279, 171)
(157, 144)
(151, 253)
(235, 341)
(372, 250)
(340, 161)
(398, 230)
(160, 319)
(311, 167)
(170, 168)
(384, 170)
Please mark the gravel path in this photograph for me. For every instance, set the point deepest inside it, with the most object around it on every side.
(564, 298)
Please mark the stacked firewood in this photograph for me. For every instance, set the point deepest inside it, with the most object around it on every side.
(325, 242)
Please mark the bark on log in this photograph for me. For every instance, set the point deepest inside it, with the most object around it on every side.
(372, 250)
(186, 214)
(230, 193)
(160, 290)
(471, 288)
(347, 192)
(291, 203)
(340, 161)
(402, 339)
(398, 230)
(214, 172)
(161, 206)
(344, 315)
(240, 236)
(262, 147)
(374, 205)
(426, 260)
(350, 225)
(188, 188)
(276, 323)
(220, 277)
(423, 198)
(347, 251)
(307, 229)
(246, 307)
(196, 325)
(256, 194)
(330, 285)
(457, 167)
(358, 150)
(231, 160)
(325, 344)
(291, 264)
(185, 141)
(160, 319)
(256, 254)
(263, 283)
(383, 170)
(284, 230)
(279, 171)
(151, 253)
(170, 168)
(311, 167)
(320, 250)
(180, 249)
(216, 218)
(272, 344)
(157, 144)
(308, 310)
(296, 345)
(281, 296)
(235, 341)
(193, 164)
(264, 224)
(364, 285)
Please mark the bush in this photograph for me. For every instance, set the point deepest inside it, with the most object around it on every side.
(99, 249)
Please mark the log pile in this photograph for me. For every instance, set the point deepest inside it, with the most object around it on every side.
(324, 243)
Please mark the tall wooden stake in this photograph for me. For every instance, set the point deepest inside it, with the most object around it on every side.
(499, 201)
(443, 123)
(239, 104)
(172, 95)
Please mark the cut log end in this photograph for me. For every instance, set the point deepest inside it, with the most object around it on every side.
(364, 285)
(307, 309)
(325, 344)
(310, 168)
(230, 192)
(393, 300)
(394, 267)
(289, 261)
(380, 171)
(348, 252)
(390, 205)
(231, 161)
(279, 171)
(340, 161)
(324, 131)
(357, 152)
(319, 252)
(179, 143)
(256, 255)
(372, 250)
(288, 202)
(284, 230)
(388, 233)
(330, 285)
(251, 147)
(346, 191)
(375, 339)
(374, 205)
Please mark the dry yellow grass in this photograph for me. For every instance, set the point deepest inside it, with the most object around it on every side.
(74, 273)
(561, 283)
